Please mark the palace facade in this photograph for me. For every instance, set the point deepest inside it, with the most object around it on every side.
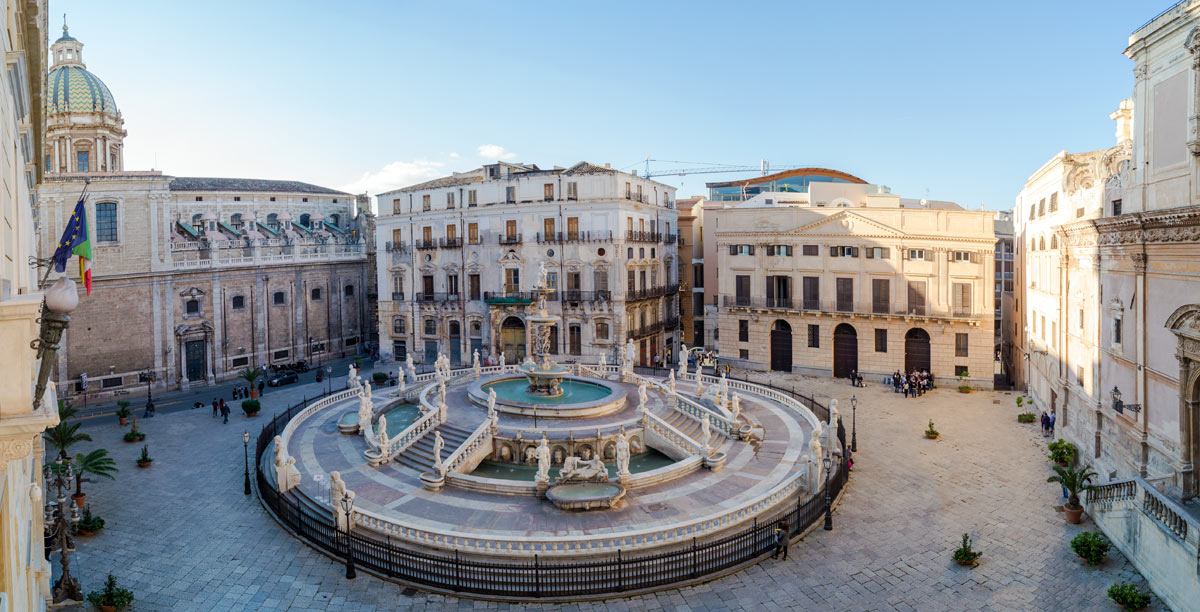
(459, 255)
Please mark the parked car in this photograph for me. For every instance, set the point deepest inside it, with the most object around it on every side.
(283, 379)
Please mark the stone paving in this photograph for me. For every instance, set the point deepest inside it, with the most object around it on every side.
(183, 536)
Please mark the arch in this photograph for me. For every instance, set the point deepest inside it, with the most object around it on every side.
(845, 350)
(455, 342)
(916, 350)
(781, 346)
(273, 220)
(512, 339)
(334, 220)
(235, 221)
(196, 221)
(306, 220)
(1184, 322)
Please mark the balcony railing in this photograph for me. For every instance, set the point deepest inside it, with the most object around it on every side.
(831, 307)
(450, 243)
(508, 297)
(505, 239)
(421, 243)
(437, 298)
(574, 295)
(396, 247)
(645, 330)
(650, 292)
(587, 236)
(671, 239)
(640, 236)
(397, 297)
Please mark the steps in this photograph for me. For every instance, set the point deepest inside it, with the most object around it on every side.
(419, 456)
(686, 425)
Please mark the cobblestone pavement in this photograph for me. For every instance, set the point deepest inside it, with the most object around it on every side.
(183, 536)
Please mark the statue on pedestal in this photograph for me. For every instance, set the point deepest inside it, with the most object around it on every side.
(366, 412)
(403, 385)
(412, 369)
(491, 402)
(833, 414)
(337, 491)
(671, 383)
(623, 455)
(630, 355)
(705, 434)
(723, 395)
(293, 474)
(603, 364)
(475, 364)
(502, 364)
(441, 391)
(438, 445)
(736, 411)
(281, 457)
(642, 395)
(575, 469)
(683, 353)
(814, 458)
(382, 434)
(543, 461)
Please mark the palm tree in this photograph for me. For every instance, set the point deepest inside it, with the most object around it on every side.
(1075, 481)
(63, 435)
(251, 375)
(97, 463)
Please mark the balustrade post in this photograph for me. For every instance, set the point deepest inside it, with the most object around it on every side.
(693, 556)
(537, 577)
(620, 572)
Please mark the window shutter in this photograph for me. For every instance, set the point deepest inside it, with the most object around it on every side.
(833, 251)
(887, 253)
(789, 250)
(733, 249)
(770, 288)
(870, 254)
(903, 253)
(752, 249)
(854, 251)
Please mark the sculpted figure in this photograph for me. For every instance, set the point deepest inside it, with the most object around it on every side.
(438, 445)
(281, 457)
(403, 385)
(475, 364)
(724, 393)
(699, 381)
(671, 383)
(705, 434)
(366, 411)
(622, 455)
(367, 389)
(491, 401)
(736, 411)
(543, 277)
(412, 369)
(293, 474)
(833, 414)
(382, 433)
(337, 491)
(642, 395)
(814, 457)
(630, 354)
(502, 364)
(543, 461)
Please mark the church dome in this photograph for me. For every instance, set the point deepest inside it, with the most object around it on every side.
(72, 89)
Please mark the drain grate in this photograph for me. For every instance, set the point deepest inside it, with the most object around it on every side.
(655, 507)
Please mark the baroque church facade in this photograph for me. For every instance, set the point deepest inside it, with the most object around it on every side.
(195, 278)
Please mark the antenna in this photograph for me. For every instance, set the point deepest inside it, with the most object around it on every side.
(647, 175)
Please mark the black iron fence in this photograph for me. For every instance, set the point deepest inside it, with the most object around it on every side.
(536, 579)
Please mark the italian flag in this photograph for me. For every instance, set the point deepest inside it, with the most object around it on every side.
(84, 251)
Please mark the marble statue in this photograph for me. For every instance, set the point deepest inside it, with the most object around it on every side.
(381, 434)
(337, 491)
(705, 434)
(412, 369)
(576, 469)
(293, 474)
(403, 384)
(814, 458)
(699, 381)
(833, 414)
(603, 364)
(543, 278)
(442, 410)
(543, 461)
(281, 466)
(671, 383)
(475, 364)
(438, 376)
(622, 455)
(723, 394)
(367, 389)
(642, 395)
(438, 445)
(736, 411)
(630, 355)
(353, 372)
(502, 364)
(441, 391)
(491, 401)
(366, 411)
(683, 362)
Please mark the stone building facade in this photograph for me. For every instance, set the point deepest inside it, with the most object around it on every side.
(459, 254)
(847, 276)
(195, 278)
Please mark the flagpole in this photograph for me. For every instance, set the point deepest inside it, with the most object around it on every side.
(50, 268)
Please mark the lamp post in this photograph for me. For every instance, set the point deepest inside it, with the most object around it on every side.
(246, 456)
(150, 375)
(1120, 406)
(827, 461)
(329, 381)
(61, 298)
(348, 506)
(58, 532)
(853, 424)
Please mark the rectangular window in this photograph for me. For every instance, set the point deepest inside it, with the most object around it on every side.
(960, 370)
(512, 280)
(1116, 330)
(741, 288)
(639, 194)
(472, 199)
(473, 286)
(600, 281)
(240, 362)
(843, 251)
(430, 327)
(552, 281)
(1054, 202)
(879, 253)
(450, 200)
(698, 276)
(744, 354)
(960, 345)
(916, 298)
(1042, 207)
(510, 229)
(452, 284)
(81, 162)
(548, 228)
(473, 233)
(881, 295)
(427, 234)
(396, 207)
(962, 299)
(812, 292)
(106, 222)
(425, 205)
(1043, 328)
(601, 329)
(741, 249)
(916, 254)
(510, 194)
(845, 294)
(572, 228)
(779, 250)
(810, 250)
(881, 341)
(281, 354)
(451, 234)
(628, 191)
(548, 192)
(631, 281)
(572, 191)
(961, 256)
(743, 330)
(427, 286)
(397, 238)
(1116, 208)
(814, 336)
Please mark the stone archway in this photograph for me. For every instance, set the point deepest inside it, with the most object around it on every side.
(512, 339)
(1185, 324)
(781, 346)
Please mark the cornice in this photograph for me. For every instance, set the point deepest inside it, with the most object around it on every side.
(1159, 226)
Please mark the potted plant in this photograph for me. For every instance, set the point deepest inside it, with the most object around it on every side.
(1026, 417)
(379, 378)
(1061, 452)
(134, 435)
(963, 387)
(251, 407)
(1075, 481)
(64, 435)
(97, 463)
(251, 376)
(112, 597)
(931, 433)
(123, 412)
(89, 525)
(1020, 401)
(144, 459)
(1128, 596)
(1091, 546)
(964, 555)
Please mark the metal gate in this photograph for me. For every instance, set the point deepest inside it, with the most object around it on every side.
(197, 365)
(916, 350)
(512, 340)
(455, 343)
(781, 347)
(845, 350)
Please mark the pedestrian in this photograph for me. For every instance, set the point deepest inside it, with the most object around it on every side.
(216, 407)
(904, 386)
(197, 405)
(1053, 419)
(781, 540)
(849, 459)
(225, 411)
(149, 409)
(853, 378)
(1045, 423)
(260, 387)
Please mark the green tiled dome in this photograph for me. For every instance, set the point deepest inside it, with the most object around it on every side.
(72, 89)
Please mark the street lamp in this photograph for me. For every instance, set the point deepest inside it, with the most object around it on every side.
(150, 375)
(329, 381)
(61, 298)
(827, 461)
(348, 506)
(1120, 406)
(246, 456)
(58, 532)
(853, 424)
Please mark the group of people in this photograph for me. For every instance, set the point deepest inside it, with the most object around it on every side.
(220, 408)
(912, 384)
(243, 391)
(1048, 421)
(856, 379)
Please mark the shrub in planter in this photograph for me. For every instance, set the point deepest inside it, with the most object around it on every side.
(1128, 596)
(379, 378)
(1026, 417)
(1020, 401)
(931, 432)
(133, 436)
(89, 524)
(1092, 546)
(1075, 481)
(123, 412)
(144, 459)
(1061, 451)
(251, 376)
(963, 387)
(111, 596)
(964, 555)
(251, 407)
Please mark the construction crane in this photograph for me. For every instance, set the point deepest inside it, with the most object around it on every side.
(764, 167)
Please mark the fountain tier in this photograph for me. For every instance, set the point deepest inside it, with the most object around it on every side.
(577, 397)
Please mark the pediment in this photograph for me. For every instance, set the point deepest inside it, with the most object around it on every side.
(510, 257)
(846, 223)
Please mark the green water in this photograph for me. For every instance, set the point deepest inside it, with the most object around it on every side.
(400, 417)
(574, 392)
(586, 491)
(644, 462)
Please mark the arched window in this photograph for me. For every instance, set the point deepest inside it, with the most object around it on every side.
(476, 329)
(305, 220)
(106, 222)
(235, 221)
(398, 325)
(602, 330)
(334, 219)
(315, 294)
(238, 302)
(273, 220)
(1054, 241)
(430, 327)
(1042, 244)
(196, 223)
(349, 290)
(279, 298)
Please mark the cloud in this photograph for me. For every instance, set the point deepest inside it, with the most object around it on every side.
(395, 175)
(454, 156)
(491, 151)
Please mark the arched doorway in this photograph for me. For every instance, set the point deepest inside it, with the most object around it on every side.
(845, 350)
(781, 346)
(455, 342)
(512, 340)
(916, 350)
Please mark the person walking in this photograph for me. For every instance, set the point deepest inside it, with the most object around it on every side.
(781, 540)
(261, 386)
(1053, 418)
(904, 386)
(225, 411)
(1045, 423)
(216, 407)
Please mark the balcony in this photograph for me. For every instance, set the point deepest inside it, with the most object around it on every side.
(395, 247)
(640, 236)
(671, 239)
(831, 308)
(565, 237)
(632, 295)
(505, 239)
(508, 297)
(645, 330)
(450, 243)
(436, 298)
(575, 295)
(422, 243)
(255, 257)
(397, 297)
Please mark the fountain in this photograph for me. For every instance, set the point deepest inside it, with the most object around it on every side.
(545, 377)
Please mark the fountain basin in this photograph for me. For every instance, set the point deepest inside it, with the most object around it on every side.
(586, 496)
(580, 397)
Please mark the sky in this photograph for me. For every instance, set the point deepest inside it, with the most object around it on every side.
(953, 101)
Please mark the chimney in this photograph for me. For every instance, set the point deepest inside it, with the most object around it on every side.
(635, 172)
(607, 165)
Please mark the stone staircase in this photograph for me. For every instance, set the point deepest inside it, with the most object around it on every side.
(685, 424)
(419, 456)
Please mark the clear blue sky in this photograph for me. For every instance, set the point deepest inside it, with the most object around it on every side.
(959, 100)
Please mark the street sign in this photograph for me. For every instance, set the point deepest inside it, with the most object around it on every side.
(83, 382)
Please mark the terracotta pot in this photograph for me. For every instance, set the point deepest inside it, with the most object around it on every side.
(124, 420)
(108, 609)
(85, 532)
(1060, 463)
(79, 499)
(143, 464)
(253, 393)
(1073, 516)
(933, 437)
(967, 563)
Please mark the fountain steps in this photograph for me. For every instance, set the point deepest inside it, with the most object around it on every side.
(419, 456)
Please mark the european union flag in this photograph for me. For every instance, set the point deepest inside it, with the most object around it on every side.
(76, 234)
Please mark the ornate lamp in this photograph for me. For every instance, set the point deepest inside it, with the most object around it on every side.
(853, 424)
(348, 506)
(1120, 406)
(827, 461)
(60, 299)
(246, 456)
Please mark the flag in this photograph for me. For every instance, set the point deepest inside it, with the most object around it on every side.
(75, 241)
